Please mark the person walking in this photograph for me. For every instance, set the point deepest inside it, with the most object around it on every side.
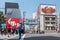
(0, 28)
(8, 30)
(3, 28)
(14, 29)
(20, 29)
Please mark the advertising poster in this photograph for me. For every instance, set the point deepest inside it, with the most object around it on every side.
(48, 9)
(12, 22)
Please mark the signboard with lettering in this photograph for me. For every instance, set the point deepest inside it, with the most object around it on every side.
(12, 22)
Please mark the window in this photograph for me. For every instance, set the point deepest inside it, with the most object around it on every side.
(46, 18)
(59, 25)
(52, 22)
(52, 28)
(53, 18)
(47, 22)
(47, 28)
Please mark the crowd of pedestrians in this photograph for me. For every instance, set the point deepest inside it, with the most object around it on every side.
(11, 31)
(4, 30)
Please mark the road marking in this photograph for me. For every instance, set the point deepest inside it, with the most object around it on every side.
(22, 38)
(6, 37)
(11, 37)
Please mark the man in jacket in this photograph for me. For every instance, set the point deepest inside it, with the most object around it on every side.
(20, 29)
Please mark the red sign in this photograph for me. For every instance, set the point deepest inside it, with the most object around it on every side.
(12, 22)
(48, 10)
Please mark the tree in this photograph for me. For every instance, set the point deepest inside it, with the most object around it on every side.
(2, 19)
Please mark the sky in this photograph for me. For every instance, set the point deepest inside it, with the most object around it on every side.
(31, 6)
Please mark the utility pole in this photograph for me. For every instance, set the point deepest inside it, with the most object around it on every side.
(38, 19)
(24, 21)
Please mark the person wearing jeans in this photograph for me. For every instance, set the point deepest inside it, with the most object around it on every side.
(19, 34)
(20, 29)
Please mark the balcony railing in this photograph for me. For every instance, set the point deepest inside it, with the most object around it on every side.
(49, 24)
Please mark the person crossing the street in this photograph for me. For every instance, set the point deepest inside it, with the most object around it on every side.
(19, 30)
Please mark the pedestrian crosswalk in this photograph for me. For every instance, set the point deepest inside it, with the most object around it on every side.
(5, 37)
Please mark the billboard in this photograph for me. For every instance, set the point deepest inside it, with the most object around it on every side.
(12, 22)
(48, 9)
(12, 10)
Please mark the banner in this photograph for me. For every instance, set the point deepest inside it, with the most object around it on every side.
(12, 22)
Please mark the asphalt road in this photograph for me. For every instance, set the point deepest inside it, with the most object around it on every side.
(42, 37)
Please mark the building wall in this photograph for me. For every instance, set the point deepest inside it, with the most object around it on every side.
(34, 15)
(48, 11)
(50, 22)
(41, 22)
(58, 22)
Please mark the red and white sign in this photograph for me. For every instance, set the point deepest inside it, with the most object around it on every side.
(47, 9)
(12, 22)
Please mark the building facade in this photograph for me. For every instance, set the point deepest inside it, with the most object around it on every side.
(58, 22)
(12, 10)
(47, 16)
(48, 21)
(34, 16)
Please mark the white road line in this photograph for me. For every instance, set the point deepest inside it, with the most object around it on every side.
(6, 38)
(12, 36)
(22, 38)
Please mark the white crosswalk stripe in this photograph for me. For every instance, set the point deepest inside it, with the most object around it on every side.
(4, 37)
(22, 38)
